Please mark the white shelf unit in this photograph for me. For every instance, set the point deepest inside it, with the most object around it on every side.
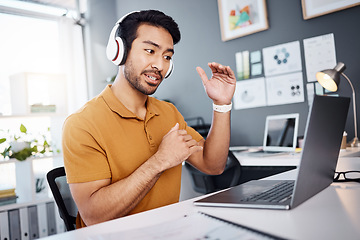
(27, 173)
(35, 213)
(39, 101)
(37, 93)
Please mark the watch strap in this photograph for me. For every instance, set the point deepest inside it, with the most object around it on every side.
(222, 108)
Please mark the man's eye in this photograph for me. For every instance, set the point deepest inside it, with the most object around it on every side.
(167, 58)
(149, 50)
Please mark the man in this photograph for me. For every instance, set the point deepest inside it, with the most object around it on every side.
(123, 150)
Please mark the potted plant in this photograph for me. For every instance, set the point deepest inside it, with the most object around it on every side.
(23, 145)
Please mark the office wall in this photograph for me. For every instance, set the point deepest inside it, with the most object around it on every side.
(100, 18)
(201, 43)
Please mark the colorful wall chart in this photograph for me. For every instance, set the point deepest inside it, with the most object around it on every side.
(248, 65)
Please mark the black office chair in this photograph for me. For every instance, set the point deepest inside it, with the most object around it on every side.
(61, 192)
(204, 183)
(198, 123)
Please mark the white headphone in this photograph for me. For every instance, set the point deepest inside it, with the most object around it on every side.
(115, 49)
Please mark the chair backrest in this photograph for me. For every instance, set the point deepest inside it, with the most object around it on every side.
(61, 192)
(204, 183)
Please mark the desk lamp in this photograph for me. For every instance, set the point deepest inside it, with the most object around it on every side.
(330, 80)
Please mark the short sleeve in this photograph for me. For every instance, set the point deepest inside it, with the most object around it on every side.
(84, 159)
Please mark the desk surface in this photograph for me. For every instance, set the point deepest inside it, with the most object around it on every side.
(332, 214)
(287, 159)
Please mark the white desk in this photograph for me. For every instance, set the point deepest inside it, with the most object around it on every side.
(288, 159)
(332, 214)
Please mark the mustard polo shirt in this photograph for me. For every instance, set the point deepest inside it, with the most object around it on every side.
(105, 140)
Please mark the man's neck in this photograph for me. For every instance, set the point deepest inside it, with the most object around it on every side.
(131, 98)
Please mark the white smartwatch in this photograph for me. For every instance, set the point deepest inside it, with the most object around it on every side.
(222, 108)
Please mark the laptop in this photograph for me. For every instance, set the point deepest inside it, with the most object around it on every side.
(281, 133)
(322, 140)
(280, 136)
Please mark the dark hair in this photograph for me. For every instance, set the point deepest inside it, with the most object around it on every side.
(128, 27)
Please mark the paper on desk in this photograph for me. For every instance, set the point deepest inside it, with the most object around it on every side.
(195, 226)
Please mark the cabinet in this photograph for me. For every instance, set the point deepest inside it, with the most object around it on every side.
(35, 214)
(30, 221)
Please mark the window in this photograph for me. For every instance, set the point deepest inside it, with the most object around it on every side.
(27, 45)
(44, 44)
(38, 44)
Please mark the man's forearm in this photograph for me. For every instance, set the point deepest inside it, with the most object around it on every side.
(217, 143)
(118, 199)
(218, 140)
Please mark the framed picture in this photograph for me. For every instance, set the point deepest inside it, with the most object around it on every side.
(316, 8)
(239, 18)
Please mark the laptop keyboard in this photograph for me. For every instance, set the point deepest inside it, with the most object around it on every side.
(278, 193)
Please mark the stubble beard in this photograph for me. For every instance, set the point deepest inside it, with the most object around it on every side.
(135, 81)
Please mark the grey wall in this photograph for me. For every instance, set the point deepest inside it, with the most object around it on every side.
(201, 43)
(100, 18)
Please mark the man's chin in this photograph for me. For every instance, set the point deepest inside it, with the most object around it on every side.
(149, 91)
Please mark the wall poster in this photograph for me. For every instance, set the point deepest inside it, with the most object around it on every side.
(239, 18)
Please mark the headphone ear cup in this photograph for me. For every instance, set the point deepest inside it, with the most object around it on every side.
(120, 51)
(170, 70)
(115, 49)
(112, 46)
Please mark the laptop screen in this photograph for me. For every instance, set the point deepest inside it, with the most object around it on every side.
(281, 132)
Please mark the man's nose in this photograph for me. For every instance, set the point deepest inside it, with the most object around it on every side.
(158, 64)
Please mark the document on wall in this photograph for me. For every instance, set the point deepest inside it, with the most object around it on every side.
(281, 59)
(197, 226)
(285, 89)
(319, 55)
(250, 94)
(310, 89)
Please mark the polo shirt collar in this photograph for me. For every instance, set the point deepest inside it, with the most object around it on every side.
(152, 107)
(116, 106)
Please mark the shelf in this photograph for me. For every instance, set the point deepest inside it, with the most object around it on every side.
(31, 175)
(32, 115)
(33, 93)
(21, 204)
(13, 160)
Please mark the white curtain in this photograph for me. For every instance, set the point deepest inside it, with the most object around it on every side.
(73, 59)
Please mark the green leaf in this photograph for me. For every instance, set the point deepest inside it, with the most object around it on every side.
(23, 154)
(34, 149)
(2, 140)
(6, 152)
(23, 128)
